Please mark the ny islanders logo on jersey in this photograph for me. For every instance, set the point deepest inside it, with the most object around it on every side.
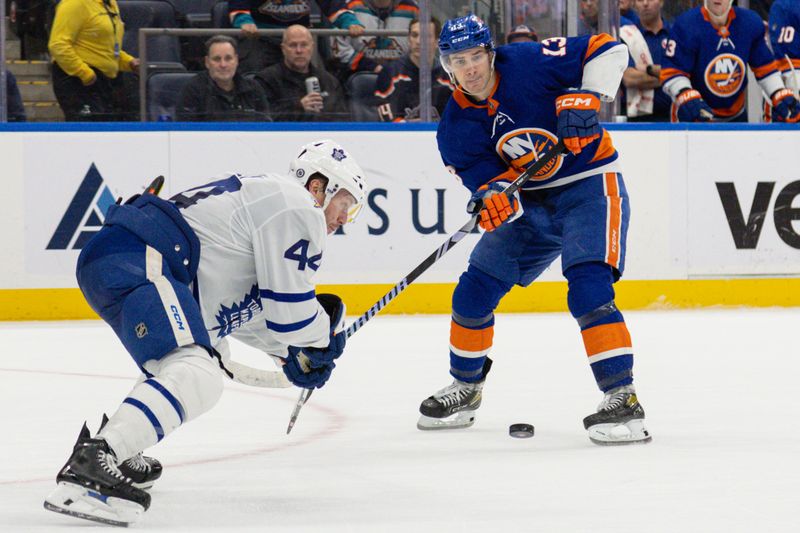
(521, 147)
(725, 74)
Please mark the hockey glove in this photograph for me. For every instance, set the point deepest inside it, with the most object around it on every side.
(302, 375)
(689, 106)
(785, 107)
(310, 367)
(493, 206)
(578, 123)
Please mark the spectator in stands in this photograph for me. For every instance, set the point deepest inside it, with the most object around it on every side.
(220, 93)
(626, 9)
(522, 34)
(28, 19)
(397, 88)
(299, 91)
(645, 100)
(86, 48)
(705, 63)
(259, 53)
(589, 17)
(15, 111)
(371, 53)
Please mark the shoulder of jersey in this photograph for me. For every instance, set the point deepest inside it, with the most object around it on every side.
(289, 188)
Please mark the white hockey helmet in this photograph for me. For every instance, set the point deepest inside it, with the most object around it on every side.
(333, 162)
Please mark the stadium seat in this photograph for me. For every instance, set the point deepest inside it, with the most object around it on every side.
(163, 90)
(163, 51)
(196, 13)
(360, 88)
(219, 15)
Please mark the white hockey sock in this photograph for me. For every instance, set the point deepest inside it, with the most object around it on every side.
(185, 384)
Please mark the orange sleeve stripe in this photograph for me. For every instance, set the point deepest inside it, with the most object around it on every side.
(606, 148)
(233, 14)
(335, 16)
(614, 228)
(413, 9)
(606, 337)
(667, 73)
(595, 42)
(470, 340)
(765, 70)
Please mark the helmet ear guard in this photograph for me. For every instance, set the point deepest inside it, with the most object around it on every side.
(331, 161)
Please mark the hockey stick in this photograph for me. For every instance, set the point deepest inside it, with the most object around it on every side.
(403, 284)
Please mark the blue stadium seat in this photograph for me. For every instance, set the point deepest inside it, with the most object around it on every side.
(196, 13)
(163, 50)
(360, 88)
(163, 90)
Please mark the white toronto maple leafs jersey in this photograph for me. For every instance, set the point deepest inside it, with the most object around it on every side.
(262, 239)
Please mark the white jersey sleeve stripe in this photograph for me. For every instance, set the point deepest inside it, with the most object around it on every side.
(290, 297)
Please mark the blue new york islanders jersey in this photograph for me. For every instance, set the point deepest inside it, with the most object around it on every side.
(715, 59)
(500, 136)
(784, 24)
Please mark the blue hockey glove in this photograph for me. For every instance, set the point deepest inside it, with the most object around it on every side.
(689, 106)
(785, 107)
(493, 206)
(319, 361)
(578, 124)
(302, 375)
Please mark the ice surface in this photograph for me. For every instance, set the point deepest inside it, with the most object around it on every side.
(719, 388)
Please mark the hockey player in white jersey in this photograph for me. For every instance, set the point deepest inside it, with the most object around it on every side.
(174, 277)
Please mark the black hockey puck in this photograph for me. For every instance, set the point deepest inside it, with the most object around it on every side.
(521, 431)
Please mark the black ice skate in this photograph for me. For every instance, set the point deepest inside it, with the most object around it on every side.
(452, 407)
(143, 470)
(90, 486)
(619, 419)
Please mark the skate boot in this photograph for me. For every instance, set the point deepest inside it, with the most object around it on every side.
(143, 470)
(619, 419)
(452, 407)
(90, 486)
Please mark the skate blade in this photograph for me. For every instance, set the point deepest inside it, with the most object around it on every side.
(147, 485)
(80, 502)
(462, 419)
(630, 432)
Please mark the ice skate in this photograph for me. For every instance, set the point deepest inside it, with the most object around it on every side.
(452, 407)
(90, 486)
(143, 470)
(619, 419)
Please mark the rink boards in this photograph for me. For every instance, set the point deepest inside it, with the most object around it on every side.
(713, 210)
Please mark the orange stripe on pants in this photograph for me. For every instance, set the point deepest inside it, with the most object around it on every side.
(470, 340)
(614, 222)
(605, 337)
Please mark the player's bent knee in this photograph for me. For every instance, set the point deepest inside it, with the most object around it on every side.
(590, 287)
(477, 293)
(192, 376)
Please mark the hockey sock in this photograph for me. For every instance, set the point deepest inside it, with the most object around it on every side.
(472, 326)
(185, 384)
(605, 335)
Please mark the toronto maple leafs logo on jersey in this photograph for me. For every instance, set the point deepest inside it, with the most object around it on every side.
(338, 154)
(725, 74)
(522, 146)
(229, 319)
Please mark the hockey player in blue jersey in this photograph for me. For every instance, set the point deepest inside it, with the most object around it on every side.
(174, 278)
(784, 25)
(511, 104)
(705, 65)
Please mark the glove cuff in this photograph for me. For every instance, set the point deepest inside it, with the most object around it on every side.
(582, 100)
(779, 95)
(687, 95)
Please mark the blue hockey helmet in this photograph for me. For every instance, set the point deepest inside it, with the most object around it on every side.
(463, 33)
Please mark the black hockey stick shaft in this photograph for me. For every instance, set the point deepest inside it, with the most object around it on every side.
(403, 284)
(462, 232)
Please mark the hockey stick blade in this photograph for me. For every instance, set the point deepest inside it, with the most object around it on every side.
(403, 284)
